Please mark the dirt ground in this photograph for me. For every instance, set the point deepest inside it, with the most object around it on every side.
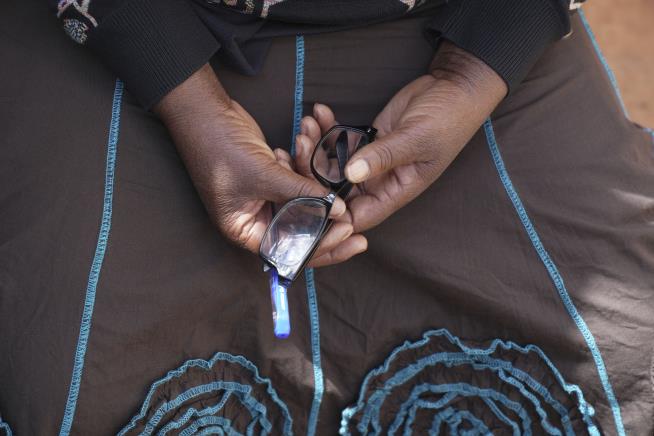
(625, 32)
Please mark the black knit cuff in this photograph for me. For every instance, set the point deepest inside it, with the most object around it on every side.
(508, 35)
(153, 45)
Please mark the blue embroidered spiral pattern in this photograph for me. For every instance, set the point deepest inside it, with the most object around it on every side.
(225, 395)
(438, 384)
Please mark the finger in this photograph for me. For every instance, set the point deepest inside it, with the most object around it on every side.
(355, 244)
(283, 158)
(303, 151)
(336, 234)
(383, 154)
(310, 127)
(385, 198)
(281, 185)
(325, 117)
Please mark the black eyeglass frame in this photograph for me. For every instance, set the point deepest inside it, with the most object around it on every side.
(341, 188)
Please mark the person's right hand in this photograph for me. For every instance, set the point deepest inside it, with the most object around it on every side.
(235, 172)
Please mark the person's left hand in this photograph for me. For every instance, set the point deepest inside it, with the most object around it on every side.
(420, 132)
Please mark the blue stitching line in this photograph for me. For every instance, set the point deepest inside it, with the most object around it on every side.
(4, 426)
(454, 425)
(468, 390)
(455, 359)
(554, 275)
(479, 428)
(299, 89)
(173, 425)
(226, 425)
(220, 356)
(609, 72)
(584, 408)
(243, 393)
(212, 430)
(308, 274)
(496, 410)
(315, 352)
(498, 366)
(423, 404)
(96, 266)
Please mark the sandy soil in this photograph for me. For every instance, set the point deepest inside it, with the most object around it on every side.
(625, 32)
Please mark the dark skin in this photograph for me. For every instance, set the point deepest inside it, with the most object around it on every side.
(420, 132)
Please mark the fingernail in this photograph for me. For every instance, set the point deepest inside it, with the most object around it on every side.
(303, 128)
(357, 170)
(298, 144)
(319, 108)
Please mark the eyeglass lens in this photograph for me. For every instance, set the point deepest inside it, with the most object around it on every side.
(333, 152)
(292, 233)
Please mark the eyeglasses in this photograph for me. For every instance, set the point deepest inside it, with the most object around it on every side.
(297, 228)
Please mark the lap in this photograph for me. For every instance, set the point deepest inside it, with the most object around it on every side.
(543, 215)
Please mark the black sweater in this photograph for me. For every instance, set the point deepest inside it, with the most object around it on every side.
(153, 45)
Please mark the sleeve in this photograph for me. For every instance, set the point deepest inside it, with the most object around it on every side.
(508, 35)
(152, 45)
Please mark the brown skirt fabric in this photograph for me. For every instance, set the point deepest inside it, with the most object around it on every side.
(515, 296)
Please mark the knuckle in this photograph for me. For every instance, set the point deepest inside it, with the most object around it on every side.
(303, 187)
(385, 156)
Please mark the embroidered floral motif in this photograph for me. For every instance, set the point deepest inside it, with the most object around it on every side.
(225, 395)
(435, 385)
(439, 384)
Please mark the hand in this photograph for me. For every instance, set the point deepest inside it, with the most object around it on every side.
(234, 170)
(420, 132)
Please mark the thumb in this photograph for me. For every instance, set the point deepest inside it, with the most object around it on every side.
(285, 184)
(381, 155)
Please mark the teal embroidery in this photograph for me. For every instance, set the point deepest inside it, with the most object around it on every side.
(264, 406)
(554, 274)
(318, 380)
(208, 411)
(4, 426)
(421, 376)
(96, 265)
(452, 419)
(216, 425)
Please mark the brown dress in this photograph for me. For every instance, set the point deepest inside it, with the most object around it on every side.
(515, 296)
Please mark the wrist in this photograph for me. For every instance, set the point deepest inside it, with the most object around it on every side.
(199, 97)
(467, 74)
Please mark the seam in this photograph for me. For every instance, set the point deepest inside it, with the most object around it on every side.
(318, 380)
(96, 265)
(555, 276)
(299, 89)
(605, 64)
(315, 353)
